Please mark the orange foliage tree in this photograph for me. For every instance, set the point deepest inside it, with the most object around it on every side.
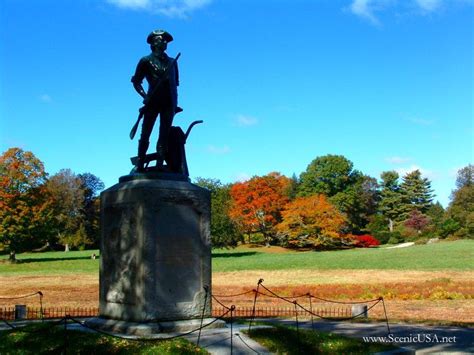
(312, 222)
(25, 205)
(258, 202)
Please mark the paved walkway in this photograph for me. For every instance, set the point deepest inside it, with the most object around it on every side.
(423, 339)
(218, 341)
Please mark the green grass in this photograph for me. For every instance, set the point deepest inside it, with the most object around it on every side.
(47, 339)
(457, 255)
(54, 262)
(286, 340)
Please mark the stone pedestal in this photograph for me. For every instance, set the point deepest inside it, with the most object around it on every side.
(155, 257)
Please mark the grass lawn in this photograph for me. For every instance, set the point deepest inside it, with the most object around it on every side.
(457, 255)
(286, 340)
(47, 339)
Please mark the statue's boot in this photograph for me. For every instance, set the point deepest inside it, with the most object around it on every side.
(142, 148)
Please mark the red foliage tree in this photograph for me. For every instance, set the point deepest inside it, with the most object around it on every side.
(258, 202)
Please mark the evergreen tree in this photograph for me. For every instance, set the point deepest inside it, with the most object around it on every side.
(390, 198)
(417, 193)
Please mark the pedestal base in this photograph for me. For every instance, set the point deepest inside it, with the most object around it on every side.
(153, 329)
(155, 251)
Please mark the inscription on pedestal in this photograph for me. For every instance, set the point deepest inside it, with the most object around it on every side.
(156, 256)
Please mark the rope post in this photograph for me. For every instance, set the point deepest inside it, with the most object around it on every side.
(41, 305)
(297, 324)
(206, 288)
(232, 309)
(254, 303)
(65, 334)
(385, 312)
(311, 310)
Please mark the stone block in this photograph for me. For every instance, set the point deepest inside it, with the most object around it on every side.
(155, 251)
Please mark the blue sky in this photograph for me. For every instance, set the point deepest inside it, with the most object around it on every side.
(387, 83)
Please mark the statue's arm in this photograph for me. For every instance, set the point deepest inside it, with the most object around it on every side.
(137, 79)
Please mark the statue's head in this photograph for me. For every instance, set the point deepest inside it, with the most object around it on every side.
(159, 40)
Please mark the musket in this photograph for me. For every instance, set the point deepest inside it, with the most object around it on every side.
(142, 110)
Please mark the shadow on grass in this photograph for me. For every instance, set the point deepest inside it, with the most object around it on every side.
(39, 260)
(232, 255)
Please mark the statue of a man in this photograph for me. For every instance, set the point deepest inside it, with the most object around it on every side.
(159, 100)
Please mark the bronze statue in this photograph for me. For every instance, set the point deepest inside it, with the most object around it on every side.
(161, 98)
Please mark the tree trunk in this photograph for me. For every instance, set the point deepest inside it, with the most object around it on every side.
(66, 247)
(390, 225)
(12, 257)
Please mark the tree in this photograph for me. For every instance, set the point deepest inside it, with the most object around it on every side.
(358, 202)
(67, 191)
(224, 232)
(258, 202)
(327, 175)
(417, 221)
(465, 177)
(461, 207)
(91, 185)
(312, 222)
(25, 205)
(416, 193)
(390, 198)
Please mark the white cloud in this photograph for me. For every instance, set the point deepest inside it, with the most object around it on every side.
(420, 121)
(398, 160)
(46, 98)
(170, 8)
(428, 5)
(364, 9)
(424, 172)
(369, 9)
(217, 150)
(131, 4)
(244, 120)
(241, 177)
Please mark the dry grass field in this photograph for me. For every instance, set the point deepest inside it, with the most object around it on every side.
(410, 296)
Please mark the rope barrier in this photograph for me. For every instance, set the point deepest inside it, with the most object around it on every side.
(7, 323)
(24, 296)
(235, 295)
(206, 288)
(386, 318)
(254, 303)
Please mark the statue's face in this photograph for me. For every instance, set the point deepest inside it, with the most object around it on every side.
(159, 43)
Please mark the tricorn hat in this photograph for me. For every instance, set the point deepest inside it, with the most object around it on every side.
(166, 36)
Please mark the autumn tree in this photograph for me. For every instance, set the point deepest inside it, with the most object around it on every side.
(312, 222)
(224, 232)
(258, 202)
(417, 221)
(25, 206)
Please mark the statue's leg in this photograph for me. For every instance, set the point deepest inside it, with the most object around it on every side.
(166, 120)
(147, 126)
